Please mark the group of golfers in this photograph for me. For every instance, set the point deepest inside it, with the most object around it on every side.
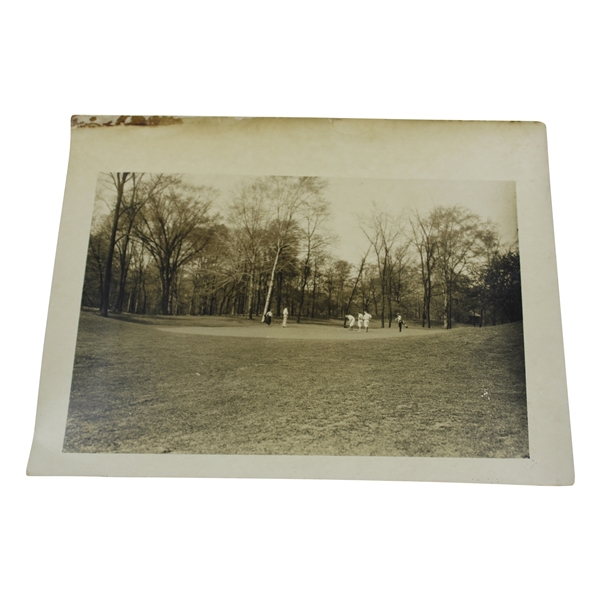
(269, 317)
(363, 320)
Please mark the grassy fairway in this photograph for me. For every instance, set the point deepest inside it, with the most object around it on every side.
(139, 389)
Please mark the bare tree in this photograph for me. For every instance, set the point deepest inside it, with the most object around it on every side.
(313, 213)
(141, 190)
(401, 275)
(119, 179)
(286, 195)
(357, 280)
(337, 274)
(96, 260)
(248, 215)
(129, 200)
(459, 234)
(175, 227)
(426, 243)
(383, 231)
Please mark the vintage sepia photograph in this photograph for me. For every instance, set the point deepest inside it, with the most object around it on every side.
(300, 315)
(305, 298)
(201, 205)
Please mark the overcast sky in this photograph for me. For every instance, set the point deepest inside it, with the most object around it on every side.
(352, 201)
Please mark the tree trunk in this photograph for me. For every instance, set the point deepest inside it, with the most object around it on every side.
(314, 291)
(222, 305)
(271, 281)
(122, 280)
(390, 299)
(427, 302)
(105, 299)
(250, 292)
(166, 292)
(279, 286)
(258, 294)
(360, 270)
(446, 310)
(448, 307)
(383, 296)
(305, 272)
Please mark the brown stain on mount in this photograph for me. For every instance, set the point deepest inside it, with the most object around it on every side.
(125, 120)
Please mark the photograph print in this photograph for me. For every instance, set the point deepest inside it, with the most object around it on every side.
(321, 316)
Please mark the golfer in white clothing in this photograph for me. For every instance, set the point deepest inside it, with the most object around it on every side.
(360, 321)
(350, 321)
(366, 318)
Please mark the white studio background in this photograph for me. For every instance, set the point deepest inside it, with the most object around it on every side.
(161, 538)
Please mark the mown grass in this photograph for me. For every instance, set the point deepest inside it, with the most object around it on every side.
(459, 393)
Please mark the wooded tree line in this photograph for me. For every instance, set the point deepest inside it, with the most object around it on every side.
(159, 248)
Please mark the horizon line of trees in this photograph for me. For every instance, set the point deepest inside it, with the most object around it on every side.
(160, 249)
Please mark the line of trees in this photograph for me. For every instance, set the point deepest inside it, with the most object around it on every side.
(444, 266)
(159, 247)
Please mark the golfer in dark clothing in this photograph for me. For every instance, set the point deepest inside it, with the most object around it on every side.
(400, 322)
